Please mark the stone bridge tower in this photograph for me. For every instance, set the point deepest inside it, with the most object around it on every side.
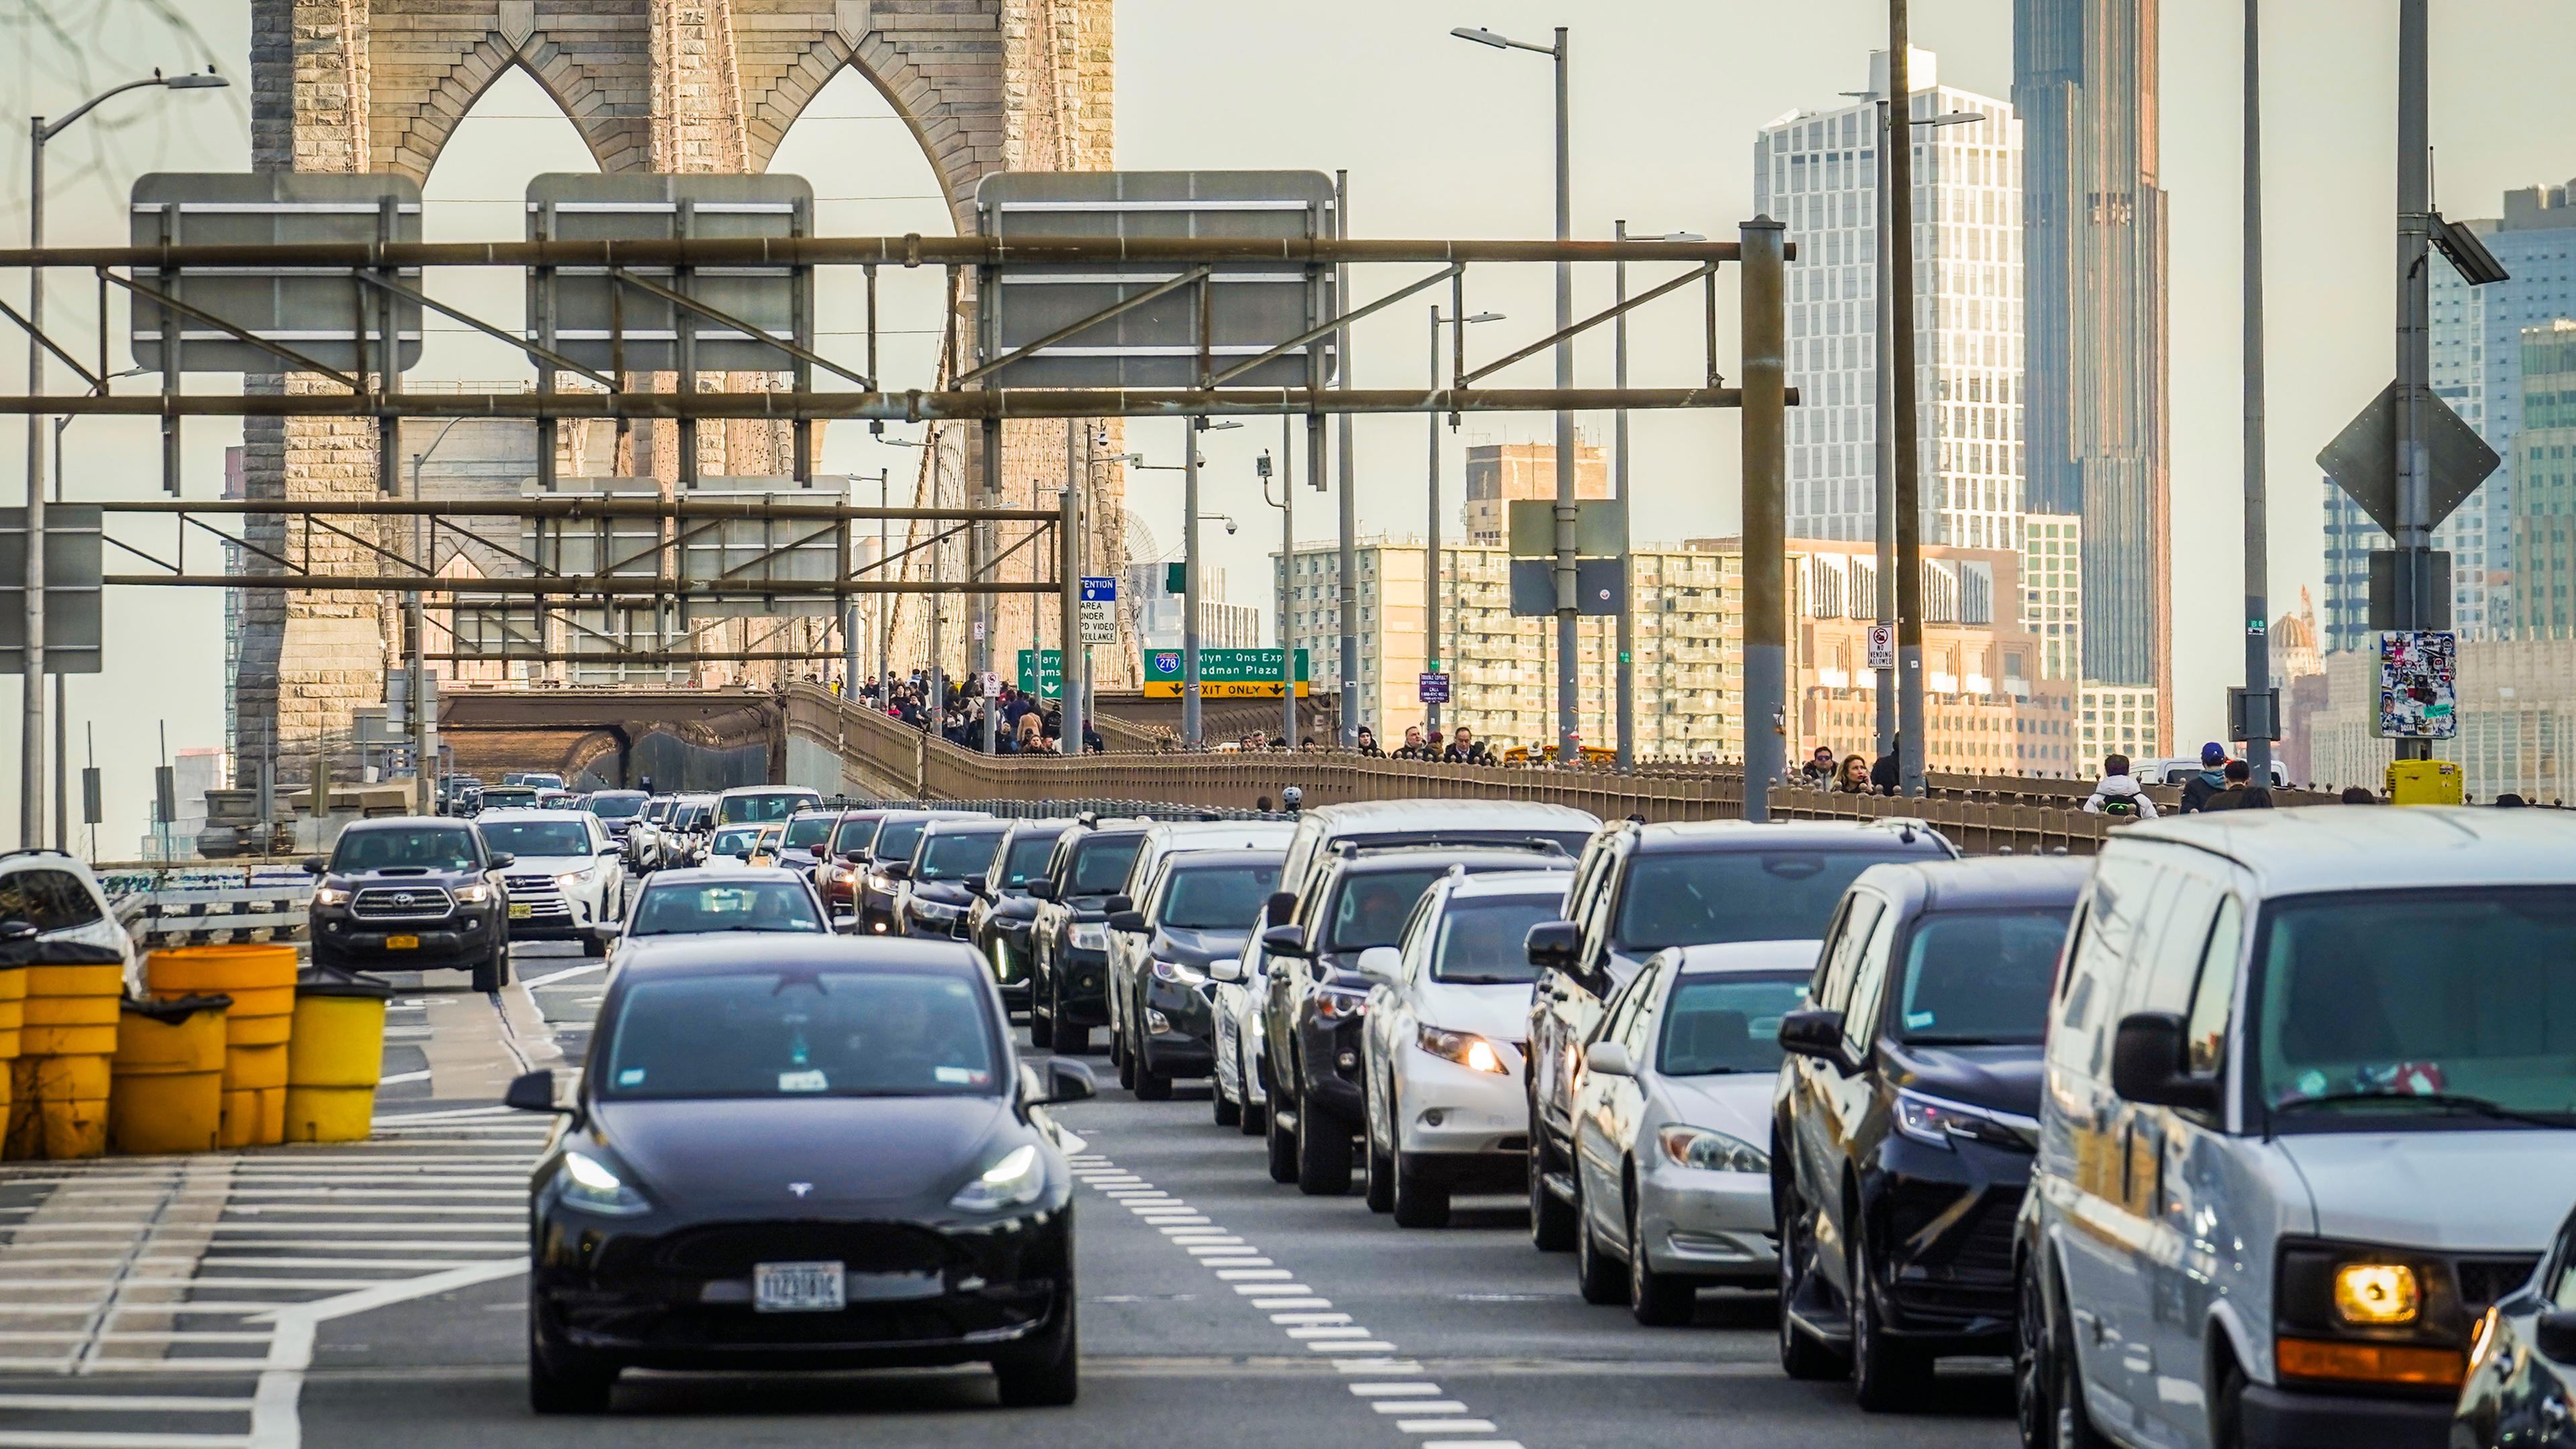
(652, 85)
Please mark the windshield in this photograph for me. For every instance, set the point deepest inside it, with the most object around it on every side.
(1728, 1023)
(809, 831)
(1711, 897)
(657, 811)
(1218, 897)
(501, 797)
(617, 804)
(896, 838)
(853, 833)
(1372, 908)
(2371, 998)
(1101, 866)
(690, 817)
(1980, 978)
(1028, 858)
(777, 806)
(758, 905)
(736, 840)
(953, 857)
(437, 848)
(802, 1033)
(530, 839)
(1482, 941)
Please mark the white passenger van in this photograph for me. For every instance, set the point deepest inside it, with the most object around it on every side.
(2310, 1107)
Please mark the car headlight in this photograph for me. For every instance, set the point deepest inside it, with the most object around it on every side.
(936, 910)
(880, 883)
(572, 879)
(1711, 1151)
(473, 895)
(587, 1183)
(1179, 973)
(1340, 1003)
(339, 895)
(2377, 1295)
(1017, 1179)
(1463, 1047)
(1938, 1122)
(1089, 936)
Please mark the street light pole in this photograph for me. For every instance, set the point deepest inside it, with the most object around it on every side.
(2258, 654)
(1431, 568)
(1627, 685)
(1883, 443)
(2414, 534)
(1192, 733)
(31, 777)
(1349, 556)
(1899, 244)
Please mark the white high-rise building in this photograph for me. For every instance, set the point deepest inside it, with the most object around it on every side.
(1818, 172)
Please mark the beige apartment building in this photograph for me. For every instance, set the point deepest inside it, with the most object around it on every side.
(1498, 473)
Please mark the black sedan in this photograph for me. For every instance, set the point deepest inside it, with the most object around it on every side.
(2522, 1362)
(819, 1154)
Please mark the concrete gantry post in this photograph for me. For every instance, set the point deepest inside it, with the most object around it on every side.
(2416, 607)
(1765, 469)
(1899, 359)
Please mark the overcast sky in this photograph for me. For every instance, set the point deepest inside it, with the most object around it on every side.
(1442, 138)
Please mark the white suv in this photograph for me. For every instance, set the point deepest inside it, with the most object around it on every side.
(56, 895)
(2309, 1109)
(1447, 1011)
(568, 878)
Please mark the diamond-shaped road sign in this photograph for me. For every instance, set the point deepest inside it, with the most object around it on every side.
(2362, 460)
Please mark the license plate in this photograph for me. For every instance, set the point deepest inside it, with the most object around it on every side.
(519, 912)
(402, 943)
(798, 1288)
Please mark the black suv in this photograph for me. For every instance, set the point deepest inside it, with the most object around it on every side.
(1640, 889)
(1315, 995)
(418, 893)
(1908, 1116)
(1003, 911)
(1198, 910)
(1069, 940)
(936, 898)
(889, 855)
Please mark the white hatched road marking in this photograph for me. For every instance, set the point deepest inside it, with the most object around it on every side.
(1408, 1403)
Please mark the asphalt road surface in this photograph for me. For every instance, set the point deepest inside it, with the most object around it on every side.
(372, 1295)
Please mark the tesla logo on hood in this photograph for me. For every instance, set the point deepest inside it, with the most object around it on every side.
(800, 1188)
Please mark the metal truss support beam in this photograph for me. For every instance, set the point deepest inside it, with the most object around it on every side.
(561, 507)
(577, 588)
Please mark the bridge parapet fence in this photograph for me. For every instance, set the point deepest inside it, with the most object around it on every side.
(928, 768)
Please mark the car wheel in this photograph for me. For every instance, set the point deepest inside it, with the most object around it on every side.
(1889, 1375)
(2048, 1393)
(493, 973)
(1657, 1300)
(1256, 1115)
(593, 947)
(1802, 1355)
(1041, 1025)
(1118, 1051)
(1551, 1218)
(1282, 1133)
(1151, 1085)
(1044, 1376)
(564, 1382)
(1596, 1273)
(1227, 1111)
(1323, 1152)
(1418, 1203)
(1070, 1040)
(1380, 1194)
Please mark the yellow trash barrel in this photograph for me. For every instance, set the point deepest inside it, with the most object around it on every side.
(13, 1015)
(261, 982)
(66, 1034)
(167, 1091)
(334, 1058)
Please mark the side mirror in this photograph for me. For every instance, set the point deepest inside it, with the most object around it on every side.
(315, 865)
(16, 932)
(1116, 904)
(1286, 941)
(1282, 905)
(1609, 1059)
(611, 848)
(2555, 1334)
(1042, 890)
(1813, 1034)
(979, 885)
(2150, 1064)
(849, 857)
(503, 860)
(1551, 945)
(1226, 968)
(1131, 923)
(1067, 1081)
(532, 1092)
(1380, 964)
(607, 932)
(897, 869)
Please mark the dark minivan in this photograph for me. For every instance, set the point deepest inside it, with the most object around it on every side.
(1908, 1117)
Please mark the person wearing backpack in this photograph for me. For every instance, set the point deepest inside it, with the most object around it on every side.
(2119, 793)
(2211, 779)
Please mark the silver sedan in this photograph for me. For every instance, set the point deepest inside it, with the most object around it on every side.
(1671, 1114)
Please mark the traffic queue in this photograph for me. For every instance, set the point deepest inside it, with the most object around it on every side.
(2249, 1130)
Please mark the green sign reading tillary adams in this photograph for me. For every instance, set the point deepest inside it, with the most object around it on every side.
(1223, 673)
(1046, 680)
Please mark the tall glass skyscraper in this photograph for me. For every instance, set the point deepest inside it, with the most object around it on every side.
(2093, 260)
